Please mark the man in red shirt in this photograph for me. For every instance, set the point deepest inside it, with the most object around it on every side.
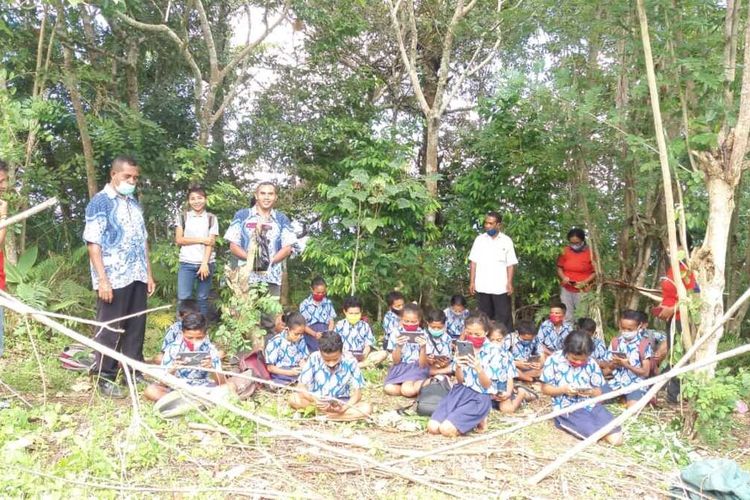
(575, 268)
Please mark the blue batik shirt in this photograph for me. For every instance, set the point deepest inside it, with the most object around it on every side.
(655, 336)
(391, 322)
(322, 382)
(279, 234)
(623, 377)
(409, 351)
(454, 323)
(600, 352)
(315, 312)
(497, 363)
(115, 223)
(551, 338)
(520, 350)
(558, 372)
(191, 376)
(356, 337)
(171, 334)
(283, 353)
(439, 346)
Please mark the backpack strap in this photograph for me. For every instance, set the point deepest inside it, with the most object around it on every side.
(642, 346)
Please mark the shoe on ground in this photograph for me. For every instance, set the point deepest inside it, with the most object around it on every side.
(109, 389)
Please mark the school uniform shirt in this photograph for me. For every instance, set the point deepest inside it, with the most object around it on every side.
(551, 338)
(558, 372)
(315, 312)
(520, 350)
(279, 234)
(195, 225)
(496, 363)
(409, 351)
(391, 322)
(600, 352)
(323, 382)
(454, 323)
(655, 336)
(283, 353)
(356, 337)
(492, 257)
(623, 377)
(171, 334)
(115, 223)
(192, 376)
(439, 346)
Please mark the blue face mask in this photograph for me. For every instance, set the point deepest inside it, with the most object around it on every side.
(125, 188)
(492, 232)
(435, 333)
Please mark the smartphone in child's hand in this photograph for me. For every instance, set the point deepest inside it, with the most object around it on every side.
(620, 355)
(412, 336)
(535, 359)
(191, 358)
(464, 348)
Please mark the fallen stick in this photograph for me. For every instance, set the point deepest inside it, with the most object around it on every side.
(180, 384)
(51, 202)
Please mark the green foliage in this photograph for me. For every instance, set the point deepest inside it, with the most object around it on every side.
(241, 315)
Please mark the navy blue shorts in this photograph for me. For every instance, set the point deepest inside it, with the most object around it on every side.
(584, 422)
(634, 395)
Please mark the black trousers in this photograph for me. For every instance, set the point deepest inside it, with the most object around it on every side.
(125, 301)
(496, 307)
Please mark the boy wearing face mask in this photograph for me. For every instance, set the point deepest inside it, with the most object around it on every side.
(357, 335)
(392, 317)
(318, 312)
(438, 350)
(524, 346)
(331, 381)
(631, 358)
(552, 331)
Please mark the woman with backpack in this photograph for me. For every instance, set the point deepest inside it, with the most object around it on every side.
(195, 234)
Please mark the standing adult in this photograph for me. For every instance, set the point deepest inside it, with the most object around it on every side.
(492, 264)
(268, 233)
(575, 268)
(116, 238)
(195, 232)
(3, 231)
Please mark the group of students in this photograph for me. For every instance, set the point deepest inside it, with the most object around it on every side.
(324, 358)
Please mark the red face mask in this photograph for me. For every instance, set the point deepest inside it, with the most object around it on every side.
(410, 328)
(555, 318)
(317, 297)
(477, 342)
(190, 345)
(577, 364)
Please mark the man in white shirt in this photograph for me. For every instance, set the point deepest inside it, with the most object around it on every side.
(491, 268)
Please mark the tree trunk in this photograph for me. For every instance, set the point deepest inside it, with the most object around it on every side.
(131, 75)
(431, 160)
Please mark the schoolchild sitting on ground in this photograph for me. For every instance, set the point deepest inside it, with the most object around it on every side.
(331, 381)
(571, 376)
(487, 372)
(631, 358)
(455, 315)
(185, 307)
(526, 351)
(406, 375)
(192, 339)
(392, 317)
(658, 340)
(286, 353)
(357, 335)
(438, 352)
(552, 331)
(318, 312)
(601, 354)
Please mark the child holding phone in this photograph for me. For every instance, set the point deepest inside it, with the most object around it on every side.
(526, 349)
(552, 331)
(318, 311)
(571, 376)
(287, 352)
(486, 372)
(193, 339)
(631, 357)
(438, 352)
(408, 372)
(357, 335)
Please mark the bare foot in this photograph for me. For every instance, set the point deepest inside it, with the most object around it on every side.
(482, 426)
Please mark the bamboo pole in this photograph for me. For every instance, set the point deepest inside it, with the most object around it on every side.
(51, 202)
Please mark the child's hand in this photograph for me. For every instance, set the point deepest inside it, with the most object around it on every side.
(317, 335)
(401, 340)
(524, 365)
(535, 366)
(474, 363)
(503, 396)
(421, 341)
(206, 363)
(295, 370)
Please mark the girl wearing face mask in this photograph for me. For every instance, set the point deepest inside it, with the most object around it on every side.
(286, 353)
(575, 268)
(408, 372)
(571, 376)
(319, 313)
(438, 352)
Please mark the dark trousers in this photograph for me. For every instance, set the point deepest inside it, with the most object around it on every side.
(496, 307)
(125, 301)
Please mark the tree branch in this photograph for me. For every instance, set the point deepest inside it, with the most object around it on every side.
(741, 130)
(410, 67)
(208, 36)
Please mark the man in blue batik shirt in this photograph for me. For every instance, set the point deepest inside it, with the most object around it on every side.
(271, 227)
(116, 238)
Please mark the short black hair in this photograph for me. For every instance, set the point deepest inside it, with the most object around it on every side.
(188, 306)
(393, 296)
(587, 325)
(352, 301)
(478, 318)
(559, 305)
(642, 317)
(498, 326)
(578, 342)
(196, 189)
(266, 183)
(294, 319)
(412, 308)
(631, 314)
(494, 215)
(317, 281)
(458, 300)
(122, 160)
(435, 316)
(3, 166)
(578, 233)
(194, 321)
(525, 326)
(330, 342)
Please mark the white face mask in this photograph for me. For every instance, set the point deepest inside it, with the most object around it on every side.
(628, 335)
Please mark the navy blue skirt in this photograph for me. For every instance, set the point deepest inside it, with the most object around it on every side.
(584, 422)
(406, 372)
(284, 379)
(312, 342)
(464, 408)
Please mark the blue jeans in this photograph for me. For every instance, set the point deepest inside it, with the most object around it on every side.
(187, 276)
